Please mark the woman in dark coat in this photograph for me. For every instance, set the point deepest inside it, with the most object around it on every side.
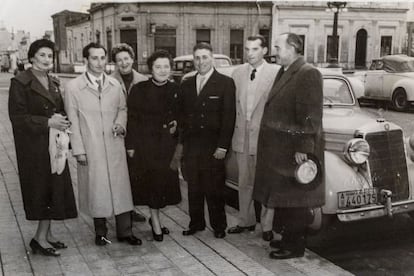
(36, 106)
(151, 140)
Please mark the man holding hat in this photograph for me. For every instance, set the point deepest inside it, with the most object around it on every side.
(291, 137)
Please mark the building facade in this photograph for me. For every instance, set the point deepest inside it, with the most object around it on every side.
(178, 26)
(366, 30)
(60, 20)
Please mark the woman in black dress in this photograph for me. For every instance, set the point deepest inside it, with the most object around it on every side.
(35, 108)
(151, 140)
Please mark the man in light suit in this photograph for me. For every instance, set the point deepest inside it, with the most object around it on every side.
(253, 81)
(207, 114)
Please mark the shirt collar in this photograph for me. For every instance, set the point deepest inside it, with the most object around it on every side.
(258, 68)
(93, 79)
(207, 75)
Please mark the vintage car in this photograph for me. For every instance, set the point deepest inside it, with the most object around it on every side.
(390, 78)
(368, 172)
(184, 65)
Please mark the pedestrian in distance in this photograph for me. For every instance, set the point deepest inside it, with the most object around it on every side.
(291, 135)
(253, 80)
(96, 106)
(152, 140)
(207, 115)
(124, 55)
(37, 115)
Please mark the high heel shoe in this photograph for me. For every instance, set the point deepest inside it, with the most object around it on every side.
(157, 237)
(164, 229)
(58, 245)
(36, 247)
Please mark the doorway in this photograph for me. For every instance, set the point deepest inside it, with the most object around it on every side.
(361, 49)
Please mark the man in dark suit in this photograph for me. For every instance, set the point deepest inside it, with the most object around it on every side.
(207, 107)
(291, 134)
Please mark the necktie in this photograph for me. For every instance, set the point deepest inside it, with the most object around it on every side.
(99, 85)
(201, 84)
(253, 74)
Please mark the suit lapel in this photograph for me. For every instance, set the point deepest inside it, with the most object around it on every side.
(40, 89)
(279, 84)
(210, 84)
(244, 79)
(265, 80)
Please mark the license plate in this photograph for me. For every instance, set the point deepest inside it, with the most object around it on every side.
(356, 198)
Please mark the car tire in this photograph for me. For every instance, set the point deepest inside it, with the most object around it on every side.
(399, 99)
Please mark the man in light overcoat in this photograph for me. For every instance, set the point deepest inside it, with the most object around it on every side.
(291, 134)
(253, 80)
(96, 107)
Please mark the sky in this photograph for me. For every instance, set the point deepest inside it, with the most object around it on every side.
(34, 16)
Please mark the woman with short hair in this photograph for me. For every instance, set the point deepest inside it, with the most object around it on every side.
(151, 140)
(36, 111)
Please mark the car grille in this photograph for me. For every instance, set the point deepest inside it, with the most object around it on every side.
(387, 163)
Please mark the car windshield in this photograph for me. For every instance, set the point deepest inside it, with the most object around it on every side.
(221, 62)
(336, 92)
(399, 66)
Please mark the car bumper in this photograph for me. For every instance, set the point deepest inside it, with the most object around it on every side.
(375, 211)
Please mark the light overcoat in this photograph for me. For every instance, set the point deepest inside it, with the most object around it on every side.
(291, 122)
(265, 81)
(104, 186)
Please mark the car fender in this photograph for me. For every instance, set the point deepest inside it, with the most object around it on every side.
(357, 86)
(350, 179)
(408, 85)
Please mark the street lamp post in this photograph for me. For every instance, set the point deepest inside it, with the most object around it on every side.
(336, 7)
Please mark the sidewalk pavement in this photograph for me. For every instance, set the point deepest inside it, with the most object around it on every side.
(202, 254)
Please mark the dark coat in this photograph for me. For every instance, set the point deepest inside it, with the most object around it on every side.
(207, 120)
(45, 196)
(150, 109)
(292, 122)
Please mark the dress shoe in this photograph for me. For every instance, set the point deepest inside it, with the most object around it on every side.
(277, 244)
(192, 231)
(132, 240)
(101, 240)
(36, 247)
(135, 216)
(219, 234)
(286, 254)
(267, 235)
(164, 230)
(58, 245)
(239, 229)
(157, 237)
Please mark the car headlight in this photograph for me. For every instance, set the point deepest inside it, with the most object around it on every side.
(356, 151)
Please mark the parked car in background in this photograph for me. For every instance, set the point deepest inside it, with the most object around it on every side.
(368, 173)
(184, 64)
(390, 78)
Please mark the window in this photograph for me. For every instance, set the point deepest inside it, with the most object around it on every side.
(266, 34)
(109, 44)
(165, 39)
(236, 46)
(302, 51)
(332, 49)
(203, 35)
(386, 43)
(98, 37)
